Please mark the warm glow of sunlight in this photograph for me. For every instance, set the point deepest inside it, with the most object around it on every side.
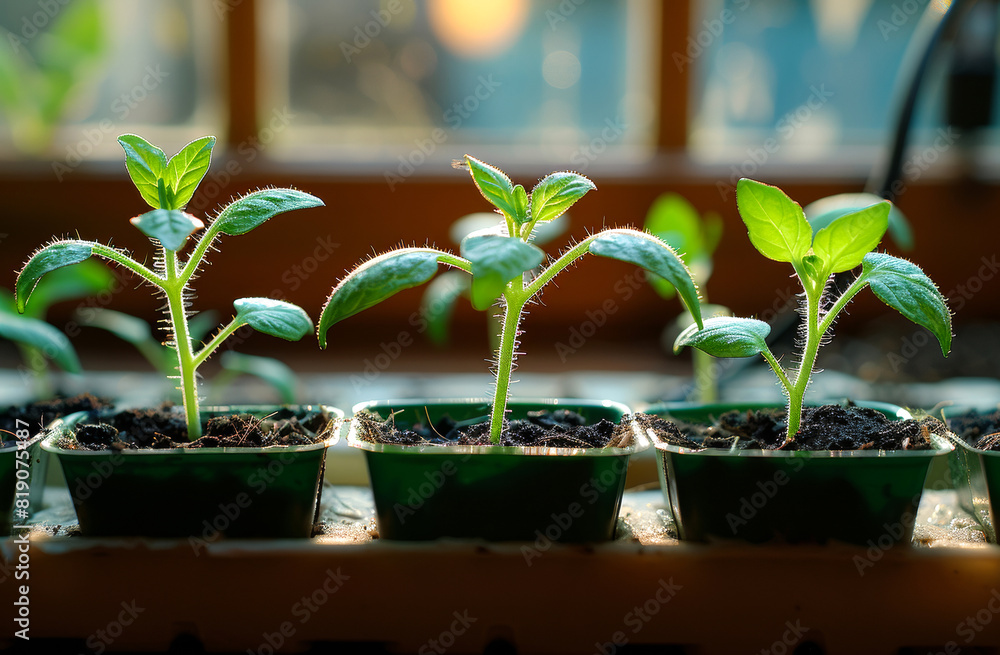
(478, 28)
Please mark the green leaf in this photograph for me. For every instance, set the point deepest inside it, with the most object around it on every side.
(494, 185)
(186, 169)
(496, 260)
(374, 281)
(40, 335)
(814, 268)
(556, 193)
(146, 165)
(127, 328)
(826, 210)
(520, 202)
(270, 370)
(438, 303)
(171, 227)
(726, 336)
(253, 209)
(274, 317)
(844, 243)
(652, 254)
(675, 220)
(777, 227)
(132, 330)
(77, 281)
(49, 258)
(903, 286)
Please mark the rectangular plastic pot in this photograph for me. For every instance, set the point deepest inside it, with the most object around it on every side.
(206, 493)
(13, 459)
(976, 476)
(858, 497)
(492, 492)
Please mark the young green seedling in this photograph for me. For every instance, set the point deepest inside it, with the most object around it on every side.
(168, 186)
(39, 341)
(140, 334)
(498, 260)
(676, 221)
(778, 229)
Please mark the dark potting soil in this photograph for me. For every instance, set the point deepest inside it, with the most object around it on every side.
(978, 430)
(163, 428)
(551, 429)
(828, 427)
(34, 416)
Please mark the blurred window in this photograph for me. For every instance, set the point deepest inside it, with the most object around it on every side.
(75, 75)
(365, 77)
(806, 77)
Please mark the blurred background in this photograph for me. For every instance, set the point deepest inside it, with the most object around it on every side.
(366, 103)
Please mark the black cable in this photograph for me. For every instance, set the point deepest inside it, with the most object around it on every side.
(947, 25)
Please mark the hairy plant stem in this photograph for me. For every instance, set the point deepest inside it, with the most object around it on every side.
(516, 296)
(186, 366)
(814, 334)
(513, 306)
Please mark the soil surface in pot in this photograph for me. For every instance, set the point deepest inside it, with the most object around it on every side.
(163, 428)
(549, 429)
(828, 427)
(978, 430)
(36, 415)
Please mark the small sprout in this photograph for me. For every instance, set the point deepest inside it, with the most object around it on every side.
(502, 263)
(167, 186)
(779, 230)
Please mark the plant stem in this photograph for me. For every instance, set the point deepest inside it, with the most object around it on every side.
(186, 366)
(216, 341)
(797, 391)
(513, 304)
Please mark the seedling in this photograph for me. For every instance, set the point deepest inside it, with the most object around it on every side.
(498, 259)
(40, 78)
(39, 341)
(676, 221)
(168, 186)
(443, 292)
(139, 334)
(779, 230)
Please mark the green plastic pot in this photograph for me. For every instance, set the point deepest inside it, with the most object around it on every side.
(859, 497)
(494, 492)
(976, 476)
(206, 493)
(15, 466)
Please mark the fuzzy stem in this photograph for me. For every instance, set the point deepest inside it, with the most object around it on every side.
(194, 260)
(216, 341)
(813, 334)
(186, 365)
(852, 291)
(556, 267)
(513, 305)
(706, 376)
